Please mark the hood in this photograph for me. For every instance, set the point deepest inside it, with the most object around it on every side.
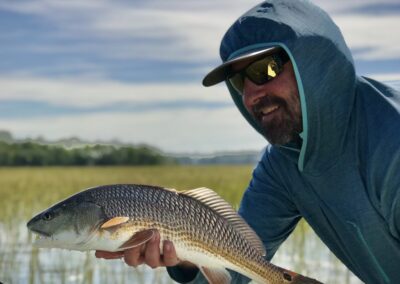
(323, 67)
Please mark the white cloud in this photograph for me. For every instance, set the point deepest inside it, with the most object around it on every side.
(189, 130)
(91, 93)
(189, 31)
(344, 6)
(158, 30)
(374, 34)
(392, 77)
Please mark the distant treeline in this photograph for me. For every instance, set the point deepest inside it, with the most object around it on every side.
(33, 154)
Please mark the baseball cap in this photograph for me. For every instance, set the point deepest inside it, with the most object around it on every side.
(224, 70)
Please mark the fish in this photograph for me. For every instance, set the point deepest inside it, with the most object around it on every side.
(204, 228)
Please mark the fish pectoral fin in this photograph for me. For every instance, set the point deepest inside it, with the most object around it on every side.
(114, 222)
(215, 275)
(138, 239)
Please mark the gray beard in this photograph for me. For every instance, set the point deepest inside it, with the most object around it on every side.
(287, 127)
(282, 132)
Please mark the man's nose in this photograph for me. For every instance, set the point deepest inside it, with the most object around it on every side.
(252, 92)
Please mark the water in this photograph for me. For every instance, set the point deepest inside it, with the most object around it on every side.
(25, 191)
(20, 263)
(303, 252)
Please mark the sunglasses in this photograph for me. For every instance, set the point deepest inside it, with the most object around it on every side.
(259, 72)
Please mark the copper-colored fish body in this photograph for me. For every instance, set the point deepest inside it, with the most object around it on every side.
(204, 228)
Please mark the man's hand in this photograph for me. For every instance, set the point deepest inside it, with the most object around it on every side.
(148, 253)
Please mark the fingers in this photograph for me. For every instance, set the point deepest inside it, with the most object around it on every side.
(148, 253)
(152, 255)
(134, 256)
(169, 254)
(154, 259)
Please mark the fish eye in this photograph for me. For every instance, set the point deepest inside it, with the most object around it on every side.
(47, 216)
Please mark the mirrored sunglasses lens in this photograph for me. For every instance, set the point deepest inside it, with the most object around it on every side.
(263, 70)
(259, 72)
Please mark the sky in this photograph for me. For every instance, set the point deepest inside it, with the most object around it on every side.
(132, 70)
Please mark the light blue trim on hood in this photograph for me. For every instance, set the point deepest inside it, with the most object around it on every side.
(258, 46)
(317, 50)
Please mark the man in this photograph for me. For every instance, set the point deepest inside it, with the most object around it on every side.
(334, 157)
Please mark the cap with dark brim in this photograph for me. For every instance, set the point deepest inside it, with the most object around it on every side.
(221, 72)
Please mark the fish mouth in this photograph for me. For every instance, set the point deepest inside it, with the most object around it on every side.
(40, 234)
(42, 239)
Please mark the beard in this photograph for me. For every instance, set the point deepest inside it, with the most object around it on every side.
(285, 126)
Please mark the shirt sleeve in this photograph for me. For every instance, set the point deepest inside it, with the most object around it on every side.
(267, 205)
(181, 275)
(384, 183)
(391, 206)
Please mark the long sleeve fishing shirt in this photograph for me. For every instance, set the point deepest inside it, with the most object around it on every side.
(344, 179)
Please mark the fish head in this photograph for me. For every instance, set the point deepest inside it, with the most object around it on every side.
(69, 224)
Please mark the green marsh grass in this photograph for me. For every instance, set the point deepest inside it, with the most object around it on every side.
(23, 191)
(26, 191)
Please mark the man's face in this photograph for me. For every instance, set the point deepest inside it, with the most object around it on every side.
(276, 106)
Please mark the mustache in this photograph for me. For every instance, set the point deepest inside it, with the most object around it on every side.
(267, 101)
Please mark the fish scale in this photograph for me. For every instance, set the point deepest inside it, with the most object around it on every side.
(204, 228)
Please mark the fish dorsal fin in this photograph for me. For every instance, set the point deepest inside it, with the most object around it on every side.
(220, 206)
(216, 275)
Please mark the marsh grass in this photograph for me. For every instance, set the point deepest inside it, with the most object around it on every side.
(26, 191)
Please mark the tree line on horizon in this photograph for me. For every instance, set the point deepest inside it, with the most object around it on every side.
(34, 154)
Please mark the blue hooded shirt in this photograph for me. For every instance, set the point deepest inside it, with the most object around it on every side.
(345, 179)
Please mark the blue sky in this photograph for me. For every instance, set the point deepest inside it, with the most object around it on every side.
(132, 70)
